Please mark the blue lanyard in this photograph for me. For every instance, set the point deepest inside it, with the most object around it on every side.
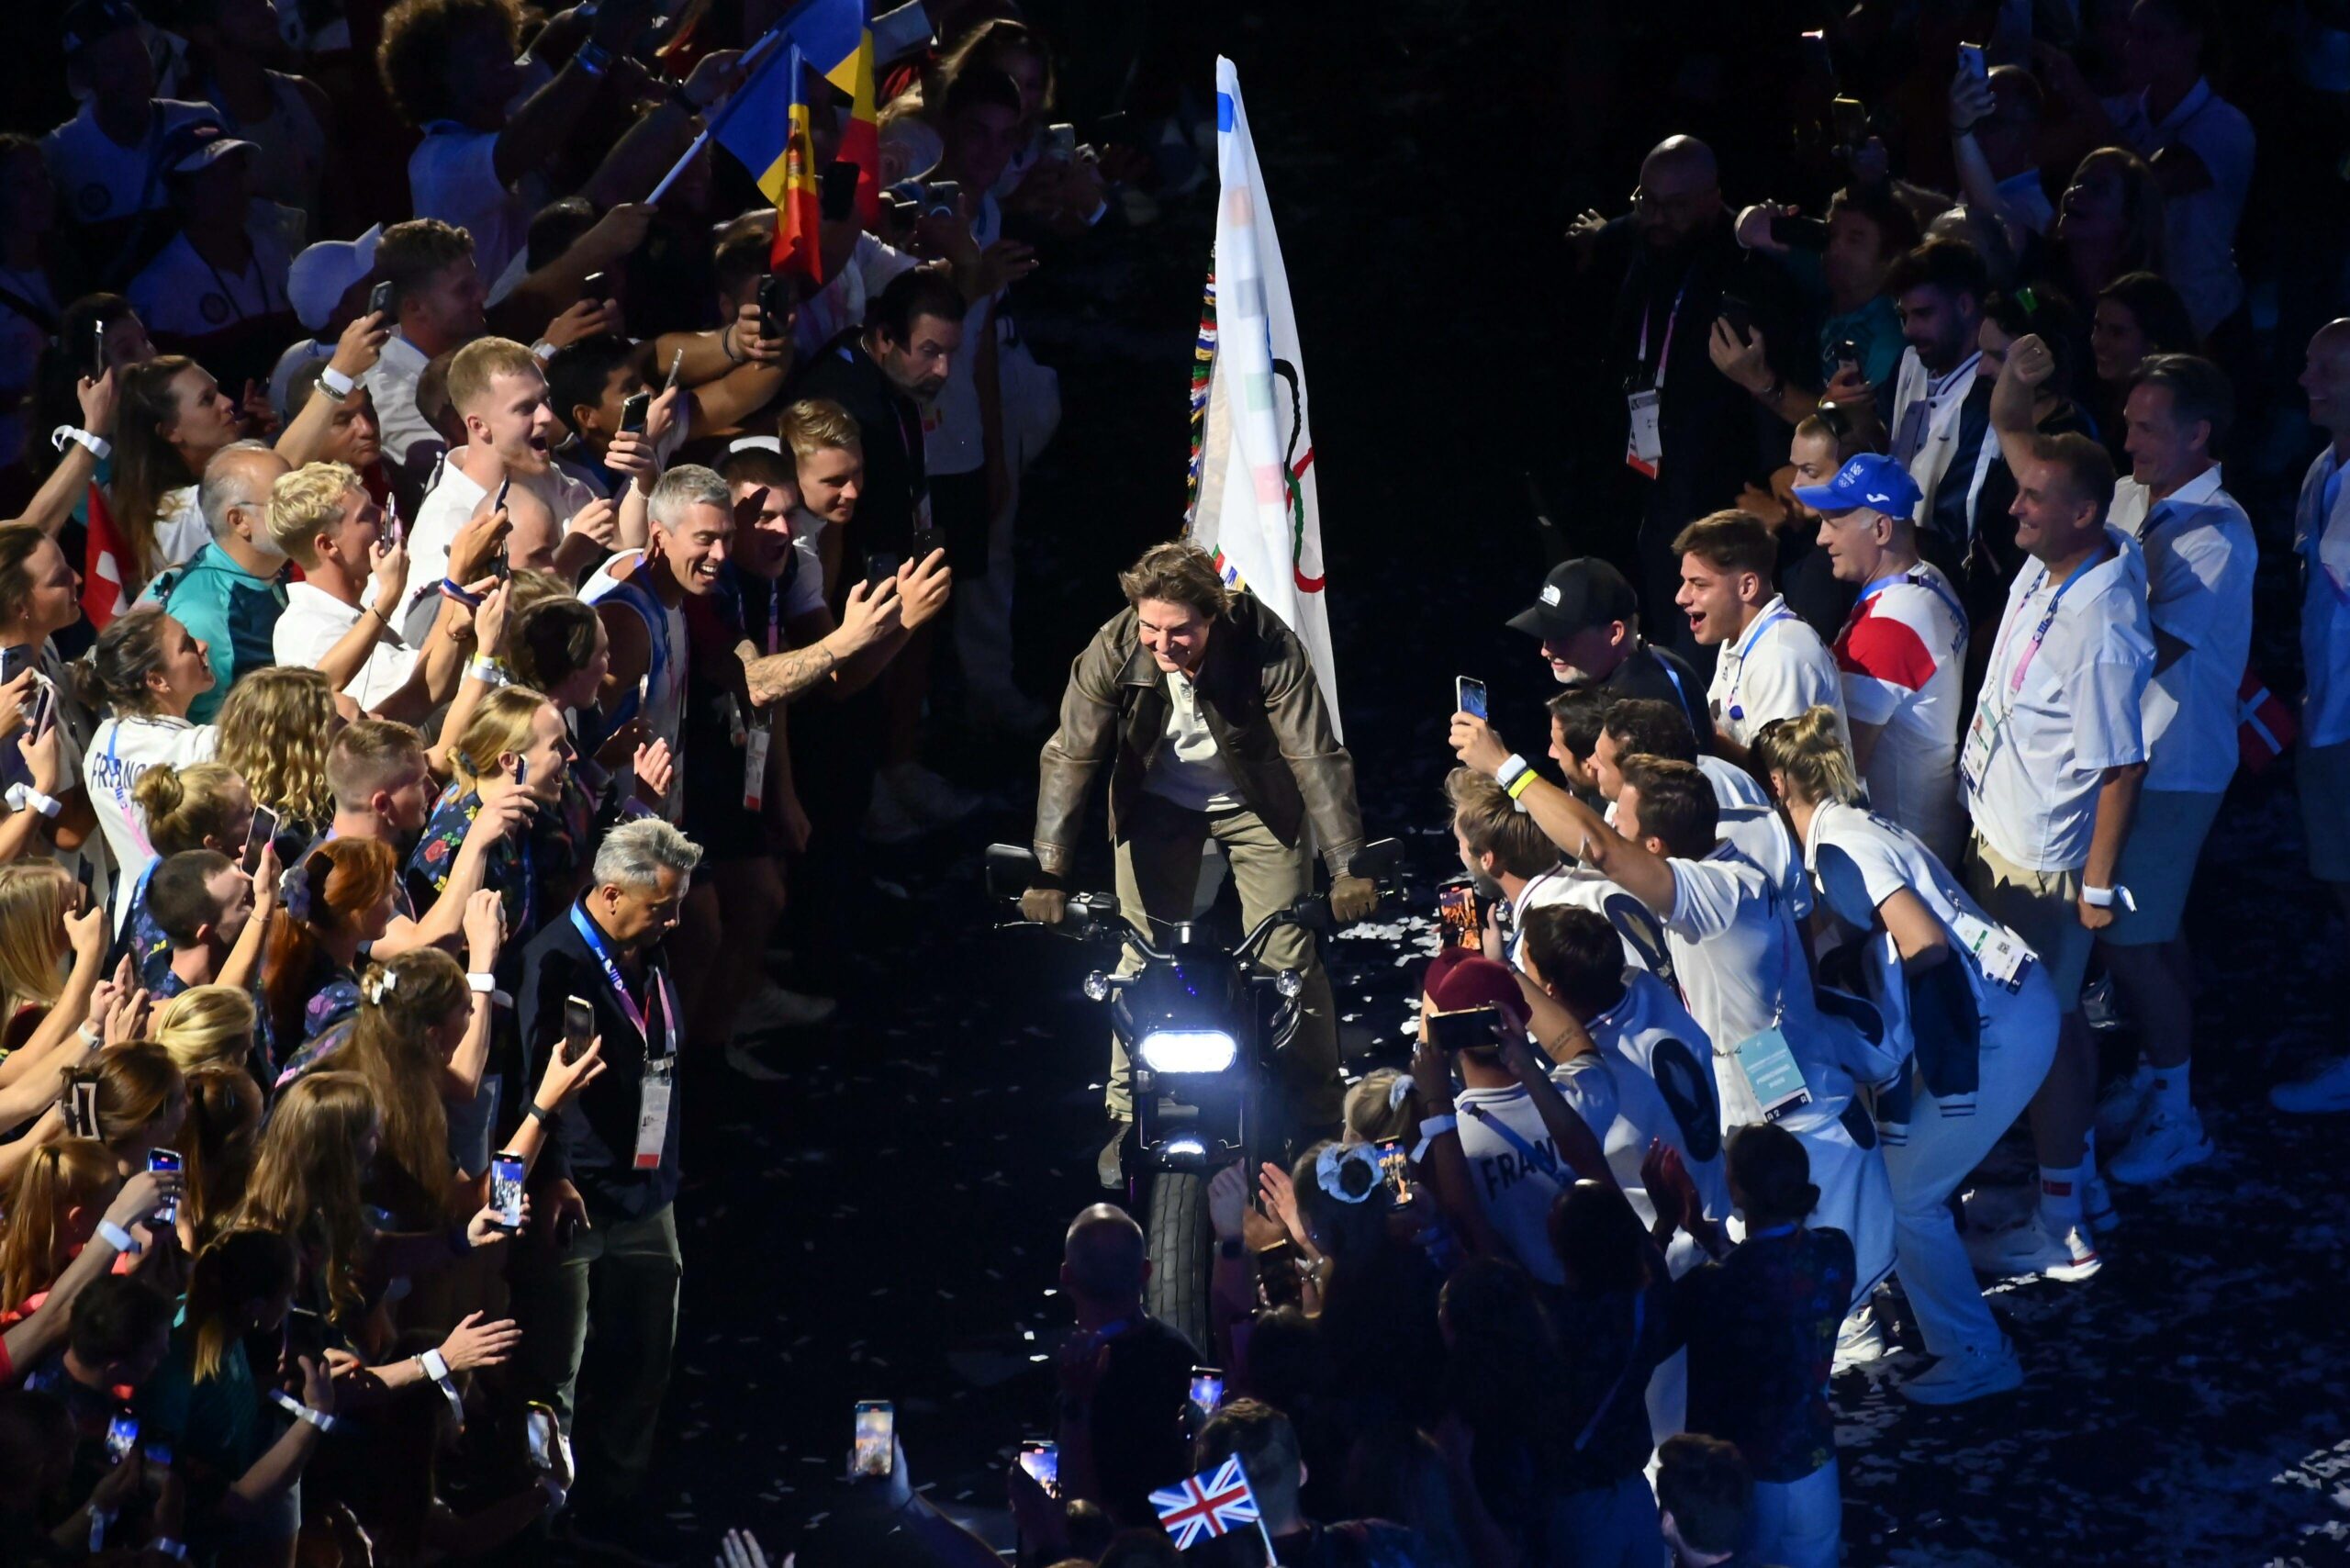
(1772, 1234)
(656, 983)
(775, 610)
(1916, 579)
(1746, 646)
(1542, 1159)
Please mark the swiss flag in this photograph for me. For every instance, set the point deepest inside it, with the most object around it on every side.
(103, 595)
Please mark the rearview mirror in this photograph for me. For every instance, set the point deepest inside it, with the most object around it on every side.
(1377, 860)
(1011, 869)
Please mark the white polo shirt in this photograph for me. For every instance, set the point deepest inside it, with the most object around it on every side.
(2059, 704)
(1650, 1036)
(1576, 887)
(120, 751)
(314, 620)
(1761, 834)
(1774, 669)
(181, 294)
(1902, 655)
(97, 178)
(1733, 786)
(2321, 538)
(2200, 556)
(448, 509)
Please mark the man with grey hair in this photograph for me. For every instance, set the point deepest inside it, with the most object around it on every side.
(231, 593)
(607, 1174)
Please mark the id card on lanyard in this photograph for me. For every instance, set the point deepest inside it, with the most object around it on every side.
(659, 1078)
(1765, 1058)
(1644, 446)
(1982, 731)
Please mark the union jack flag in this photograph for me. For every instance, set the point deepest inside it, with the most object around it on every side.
(1209, 1505)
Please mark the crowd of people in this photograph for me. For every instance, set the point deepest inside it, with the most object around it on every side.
(455, 598)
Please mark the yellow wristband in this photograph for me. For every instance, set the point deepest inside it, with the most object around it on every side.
(1520, 785)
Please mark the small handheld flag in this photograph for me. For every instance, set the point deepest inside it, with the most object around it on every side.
(1211, 1504)
(106, 565)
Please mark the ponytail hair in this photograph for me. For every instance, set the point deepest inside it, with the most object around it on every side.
(186, 806)
(113, 674)
(401, 1000)
(1808, 755)
(126, 1087)
(330, 887)
(224, 1112)
(33, 1240)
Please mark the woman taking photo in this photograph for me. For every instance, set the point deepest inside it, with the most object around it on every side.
(143, 672)
(515, 746)
(1967, 1005)
(339, 899)
(40, 595)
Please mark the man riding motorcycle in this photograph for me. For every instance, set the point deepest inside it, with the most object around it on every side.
(1208, 711)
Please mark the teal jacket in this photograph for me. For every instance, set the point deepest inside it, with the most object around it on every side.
(231, 611)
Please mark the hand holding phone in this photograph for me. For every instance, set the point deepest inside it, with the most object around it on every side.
(506, 1191)
(1469, 696)
(166, 1160)
(379, 300)
(98, 351)
(636, 411)
(877, 1435)
(1207, 1389)
(1041, 1457)
(880, 567)
(1971, 61)
(258, 837)
(579, 1028)
(774, 306)
(1471, 1029)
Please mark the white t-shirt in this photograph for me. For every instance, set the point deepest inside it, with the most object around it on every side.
(1903, 655)
(2200, 556)
(1761, 834)
(99, 180)
(2035, 752)
(1733, 786)
(453, 176)
(2321, 538)
(446, 511)
(1650, 1036)
(119, 752)
(840, 304)
(1577, 886)
(1774, 669)
(2200, 228)
(179, 295)
(180, 531)
(1187, 769)
(314, 620)
(661, 692)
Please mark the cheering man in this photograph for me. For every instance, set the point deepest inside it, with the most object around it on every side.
(1772, 665)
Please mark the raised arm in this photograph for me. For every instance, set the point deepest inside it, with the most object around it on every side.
(1572, 825)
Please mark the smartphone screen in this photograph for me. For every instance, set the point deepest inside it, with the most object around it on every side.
(122, 1435)
(1470, 696)
(593, 288)
(1472, 1028)
(943, 198)
(1041, 1457)
(379, 300)
(538, 1428)
(506, 1191)
(257, 838)
(578, 1026)
(166, 1160)
(1458, 917)
(1207, 1388)
(876, 1422)
(1971, 61)
(1395, 1164)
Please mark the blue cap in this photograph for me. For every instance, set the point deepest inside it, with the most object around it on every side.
(1870, 480)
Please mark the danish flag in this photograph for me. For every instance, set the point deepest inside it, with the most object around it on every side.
(1209, 1505)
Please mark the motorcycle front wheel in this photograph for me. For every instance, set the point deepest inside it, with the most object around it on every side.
(1183, 1254)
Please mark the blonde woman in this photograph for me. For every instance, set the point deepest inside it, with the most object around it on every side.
(53, 1208)
(276, 729)
(35, 899)
(35, 911)
(514, 749)
(207, 1026)
(1964, 1001)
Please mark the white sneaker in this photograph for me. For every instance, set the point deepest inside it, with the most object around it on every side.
(1971, 1373)
(923, 795)
(1860, 1338)
(2166, 1144)
(2096, 1205)
(2035, 1247)
(771, 1007)
(2123, 1105)
(2326, 1090)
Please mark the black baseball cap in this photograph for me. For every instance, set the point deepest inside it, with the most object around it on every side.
(1577, 596)
(89, 20)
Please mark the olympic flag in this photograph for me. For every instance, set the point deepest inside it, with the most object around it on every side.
(1253, 501)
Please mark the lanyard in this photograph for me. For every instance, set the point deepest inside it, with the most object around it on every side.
(129, 808)
(1778, 612)
(1671, 675)
(1915, 579)
(1664, 349)
(2040, 632)
(774, 611)
(252, 264)
(1542, 1159)
(659, 983)
(1772, 1234)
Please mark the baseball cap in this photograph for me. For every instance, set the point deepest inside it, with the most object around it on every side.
(324, 273)
(196, 145)
(1577, 596)
(1456, 984)
(1871, 480)
(90, 20)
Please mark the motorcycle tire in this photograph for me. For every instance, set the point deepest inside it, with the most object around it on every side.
(1183, 1254)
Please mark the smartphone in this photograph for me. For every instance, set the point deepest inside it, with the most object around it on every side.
(159, 1459)
(1207, 1389)
(1850, 118)
(635, 409)
(166, 1160)
(578, 1026)
(877, 1428)
(1468, 696)
(44, 713)
(98, 350)
(257, 838)
(1971, 61)
(521, 772)
(676, 367)
(498, 564)
(774, 306)
(593, 287)
(1041, 1457)
(379, 300)
(14, 661)
(1062, 139)
(879, 567)
(122, 1435)
(1816, 57)
(927, 538)
(838, 201)
(1395, 1164)
(1799, 233)
(1458, 917)
(1739, 314)
(1471, 1029)
(1846, 352)
(943, 198)
(506, 1191)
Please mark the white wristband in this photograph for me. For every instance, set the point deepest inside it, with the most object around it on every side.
(489, 672)
(483, 985)
(2105, 898)
(1431, 1129)
(336, 382)
(22, 796)
(119, 1238)
(301, 1412)
(1507, 774)
(96, 447)
(435, 1364)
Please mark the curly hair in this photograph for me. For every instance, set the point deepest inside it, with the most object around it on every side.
(276, 727)
(414, 52)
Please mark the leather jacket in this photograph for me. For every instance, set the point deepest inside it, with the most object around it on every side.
(1260, 698)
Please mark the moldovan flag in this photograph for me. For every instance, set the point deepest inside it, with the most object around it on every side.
(103, 595)
(1255, 508)
(766, 125)
(833, 35)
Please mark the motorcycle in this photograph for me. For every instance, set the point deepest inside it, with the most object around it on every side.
(1203, 1026)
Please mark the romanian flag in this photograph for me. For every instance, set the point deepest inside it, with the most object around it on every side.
(833, 35)
(766, 125)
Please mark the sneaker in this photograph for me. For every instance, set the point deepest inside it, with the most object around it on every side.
(2165, 1145)
(2327, 1090)
(771, 1007)
(2123, 1105)
(1860, 1338)
(923, 795)
(2035, 1247)
(2096, 1205)
(1971, 1373)
(2101, 1006)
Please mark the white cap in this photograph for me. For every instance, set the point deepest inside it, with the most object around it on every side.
(324, 273)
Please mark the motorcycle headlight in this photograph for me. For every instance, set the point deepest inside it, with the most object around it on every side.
(1187, 1051)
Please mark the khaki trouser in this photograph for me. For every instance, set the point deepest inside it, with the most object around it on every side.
(1158, 870)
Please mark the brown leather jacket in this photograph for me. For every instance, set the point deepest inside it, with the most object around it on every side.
(1260, 700)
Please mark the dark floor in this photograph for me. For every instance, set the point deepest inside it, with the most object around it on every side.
(877, 1212)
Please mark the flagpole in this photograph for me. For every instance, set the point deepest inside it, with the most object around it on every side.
(749, 64)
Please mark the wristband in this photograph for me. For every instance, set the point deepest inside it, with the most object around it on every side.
(336, 382)
(542, 350)
(2105, 898)
(592, 58)
(96, 447)
(176, 1550)
(119, 1238)
(1514, 767)
(1431, 1129)
(435, 1364)
(380, 616)
(20, 796)
(301, 1412)
(99, 1519)
(1521, 784)
(450, 589)
(683, 102)
(481, 985)
(488, 671)
(539, 1114)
